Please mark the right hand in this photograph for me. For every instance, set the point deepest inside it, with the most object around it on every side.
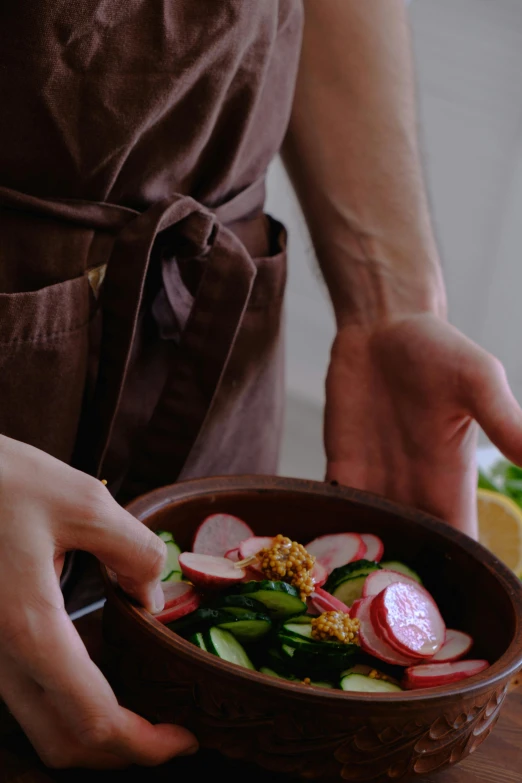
(47, 679)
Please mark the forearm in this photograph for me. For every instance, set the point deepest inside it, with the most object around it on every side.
(352, 154)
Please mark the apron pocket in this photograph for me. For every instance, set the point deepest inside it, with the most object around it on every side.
(44, 340)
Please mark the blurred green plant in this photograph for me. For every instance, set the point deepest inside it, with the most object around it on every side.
(503, 477)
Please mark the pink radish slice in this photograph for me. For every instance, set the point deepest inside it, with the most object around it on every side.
(251, 546)
(176, 592)
(219, 533)
(378, 580)
(456, 646)
(209, 572)
(410, 618)
(171, 613)
(233, 554)
(320, 601)
(374, 547)
(371, 642)
(433, 674)
(383, 633)
(337, 549)
(355, 606)
(319, 574)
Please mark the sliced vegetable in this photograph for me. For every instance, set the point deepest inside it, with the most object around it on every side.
(374, 547)
(434, 674)
(238, 604)
(226, 646)
(198, 640)
(176, 611)
(209, 572)
(280, 599)
(350, 571)
(218, 533)
(401, 568)
(336, 550)
(233, 554)
(319, 574)
(410, 618)
(316, 658)
(175, 592)
(376, 582)
(350, 590)
(361, 683)
(372, 643)
(171, 571)
(247, 627)
(253, 545)
(320, 601)
(456, 646)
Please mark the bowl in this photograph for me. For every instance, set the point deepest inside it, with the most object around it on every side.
(294, 729)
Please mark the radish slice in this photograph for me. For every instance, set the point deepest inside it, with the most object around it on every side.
(209, 572)
(319, 574)
(433, 674)
(254, 544)
(456, 646)
(374, 547)
(336, 550)
(233, 554)
(371, 642)
(219, 533)
(355, 606)
(377, 581)
(320, 601)
(176, 592)
(171, 613)
(410, 618)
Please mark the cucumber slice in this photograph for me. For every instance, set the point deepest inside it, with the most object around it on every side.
(238, 604)
(248, 627)
(271, 672)
(198, 640)
(350, 590)
(300, 635)
(225, 646)
(402, 568)
(349, 571)
(363, 684)
(200, 620)
(307, 661)
(172, 562)
(280, 599)
(165, 535)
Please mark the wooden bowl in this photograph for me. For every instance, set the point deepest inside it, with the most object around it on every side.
(308, 732)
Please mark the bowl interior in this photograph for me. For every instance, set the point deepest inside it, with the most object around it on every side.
(474, 593)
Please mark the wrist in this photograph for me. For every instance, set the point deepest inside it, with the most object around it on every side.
(372, 281)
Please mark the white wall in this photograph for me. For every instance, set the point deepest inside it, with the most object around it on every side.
(469, 62)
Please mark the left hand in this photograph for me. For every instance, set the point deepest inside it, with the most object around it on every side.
(404, 401)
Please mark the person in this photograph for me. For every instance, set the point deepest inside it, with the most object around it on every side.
(140, 313)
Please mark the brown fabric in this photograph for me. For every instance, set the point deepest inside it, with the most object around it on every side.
(134, 142)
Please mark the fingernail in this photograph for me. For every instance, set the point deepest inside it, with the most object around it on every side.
(158, 598)
(190, 751)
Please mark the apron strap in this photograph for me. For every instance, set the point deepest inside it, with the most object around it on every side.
(198, 366)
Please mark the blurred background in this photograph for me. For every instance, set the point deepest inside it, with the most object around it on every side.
(468, 62)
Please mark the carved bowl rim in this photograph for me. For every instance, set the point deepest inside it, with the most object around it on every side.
(509, 664)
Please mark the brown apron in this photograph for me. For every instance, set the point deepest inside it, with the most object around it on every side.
(141, 284)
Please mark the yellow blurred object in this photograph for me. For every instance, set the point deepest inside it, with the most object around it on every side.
(500, 527)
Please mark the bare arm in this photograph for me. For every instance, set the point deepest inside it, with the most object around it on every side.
(404, 389)
(353, 156)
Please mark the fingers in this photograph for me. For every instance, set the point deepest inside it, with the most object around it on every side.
(103, 528)
(50, 738)
(47, 647)
(492, 404)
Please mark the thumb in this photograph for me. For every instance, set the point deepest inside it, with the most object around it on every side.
(492, 403)
(123, 544)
